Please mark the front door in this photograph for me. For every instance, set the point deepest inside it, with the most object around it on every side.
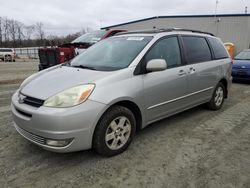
(164, 90)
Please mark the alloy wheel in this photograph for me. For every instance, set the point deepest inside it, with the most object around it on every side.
(118, 133)
(219, 95)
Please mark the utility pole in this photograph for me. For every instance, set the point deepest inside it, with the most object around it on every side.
(216, 7)
(215, 16)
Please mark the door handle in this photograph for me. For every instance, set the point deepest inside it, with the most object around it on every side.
(182, 72)
(191, 70)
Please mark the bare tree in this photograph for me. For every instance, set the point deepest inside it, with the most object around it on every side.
(28, 32)
(6, 34)
(40, 31)
(20, 35)
(16, 34)
(1, 31)
(13, 31)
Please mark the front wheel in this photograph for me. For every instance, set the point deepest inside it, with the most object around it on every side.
(114, 131)
(217, 99)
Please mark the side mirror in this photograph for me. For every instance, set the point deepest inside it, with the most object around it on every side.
(156, 65)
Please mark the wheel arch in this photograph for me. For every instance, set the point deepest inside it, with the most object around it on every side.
(135, 109)
(225, 84)
(131, 105)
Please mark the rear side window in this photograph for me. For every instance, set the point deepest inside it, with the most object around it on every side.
(167, 49)
(218, 48)
(197, 49)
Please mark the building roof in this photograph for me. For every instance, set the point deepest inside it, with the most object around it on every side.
(154, 31)
(178, 16)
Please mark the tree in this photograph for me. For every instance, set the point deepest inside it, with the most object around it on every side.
(6, 33)
(19, 29)
(16, 34)
(1, 32)
(13, 31)
(39, 30)
(28, 32)
(40, 33)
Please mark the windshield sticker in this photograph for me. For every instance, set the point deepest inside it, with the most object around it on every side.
(95, 39)
(135, 38)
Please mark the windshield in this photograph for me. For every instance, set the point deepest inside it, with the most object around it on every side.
(91, 37)
(245, 55)
(111, 54)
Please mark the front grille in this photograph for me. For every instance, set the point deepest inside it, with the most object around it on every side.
(33, 101)
(30, 136)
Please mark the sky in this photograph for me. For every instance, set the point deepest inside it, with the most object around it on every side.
(62, 17)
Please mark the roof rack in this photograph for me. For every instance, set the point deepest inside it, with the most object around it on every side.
(163, 30)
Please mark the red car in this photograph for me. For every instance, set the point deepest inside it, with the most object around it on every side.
(56, 55)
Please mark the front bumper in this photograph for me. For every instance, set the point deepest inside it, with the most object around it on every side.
(76, 124)
(241, 74)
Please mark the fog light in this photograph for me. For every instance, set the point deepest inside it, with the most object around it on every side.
(58, 143)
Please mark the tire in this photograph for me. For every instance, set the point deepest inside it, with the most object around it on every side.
(218, 97)
(7, 58)
(119, 123)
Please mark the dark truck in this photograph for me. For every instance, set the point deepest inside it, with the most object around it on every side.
(50, 56)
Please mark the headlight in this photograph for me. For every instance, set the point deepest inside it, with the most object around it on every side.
(27, 80)
(70, 97)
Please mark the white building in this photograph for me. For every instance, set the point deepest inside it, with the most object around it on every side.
(233, 28)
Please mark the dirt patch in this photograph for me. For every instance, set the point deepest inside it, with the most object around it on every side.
(15, 81)
(197, 148)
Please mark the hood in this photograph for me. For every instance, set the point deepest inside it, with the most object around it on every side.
(240, 63)
(52, 82)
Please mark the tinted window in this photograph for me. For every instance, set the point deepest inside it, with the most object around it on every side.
(167, 49)
(218, 48)
(197, 49)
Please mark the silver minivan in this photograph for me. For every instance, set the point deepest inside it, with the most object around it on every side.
(120, 85)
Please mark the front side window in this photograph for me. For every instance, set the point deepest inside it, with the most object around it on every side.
(167, 49)
(112, 53)
(197, 49)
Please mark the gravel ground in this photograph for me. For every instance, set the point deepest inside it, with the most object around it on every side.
(197, 148)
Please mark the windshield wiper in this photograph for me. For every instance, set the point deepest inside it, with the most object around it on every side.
(84, 67)
(66, 63)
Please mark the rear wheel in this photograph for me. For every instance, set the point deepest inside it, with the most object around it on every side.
(114, 131)
(217, 99)
(8, 58)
